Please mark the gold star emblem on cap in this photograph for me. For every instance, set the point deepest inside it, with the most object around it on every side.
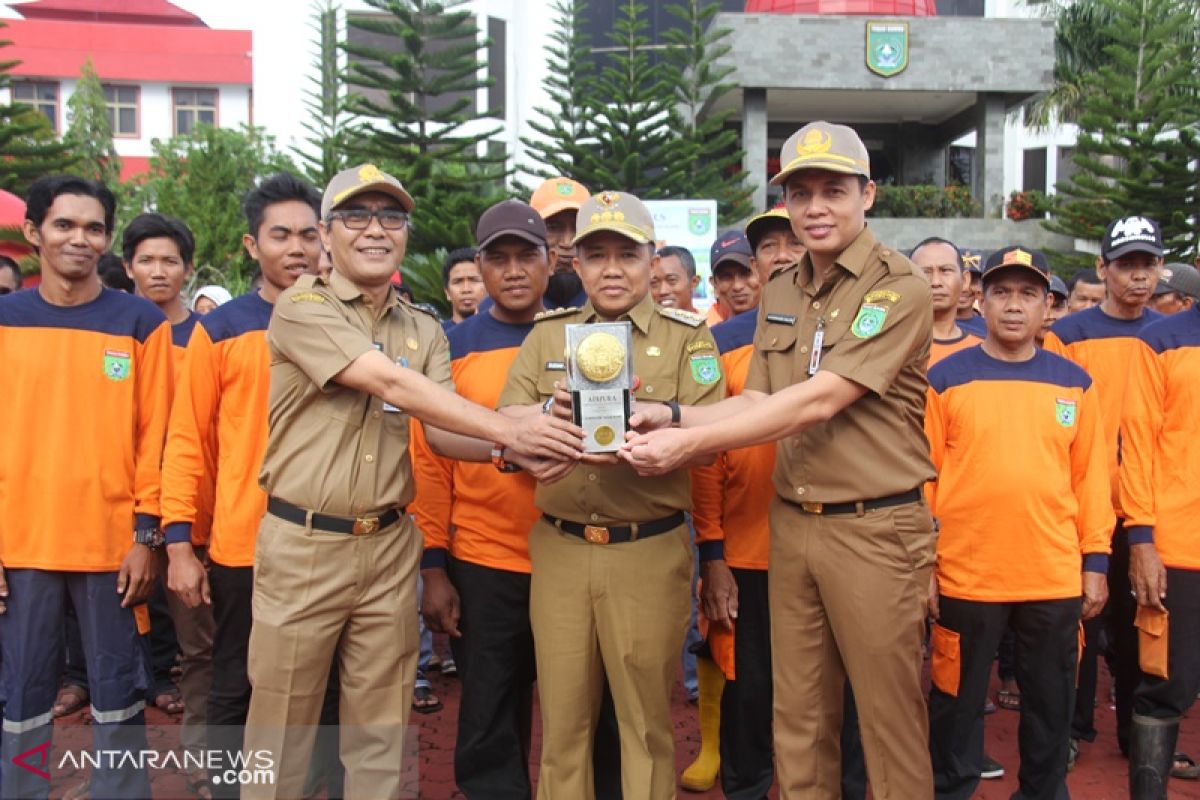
(369, 173)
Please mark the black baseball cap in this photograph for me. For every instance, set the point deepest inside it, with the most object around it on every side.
(1135, 234)
(510, 218)
(1058, 287)
(732, 245)
(1017, 257)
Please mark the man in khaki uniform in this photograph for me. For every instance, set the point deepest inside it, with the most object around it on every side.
(838, 378)
(611, 556)
(335, 567)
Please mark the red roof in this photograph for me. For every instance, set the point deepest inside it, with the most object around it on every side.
(888, 8)
(129, 52)
(143, 12)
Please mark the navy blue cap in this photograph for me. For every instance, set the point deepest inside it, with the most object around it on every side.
(732, 245)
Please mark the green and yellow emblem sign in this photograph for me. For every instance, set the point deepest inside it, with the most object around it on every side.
(887, 47)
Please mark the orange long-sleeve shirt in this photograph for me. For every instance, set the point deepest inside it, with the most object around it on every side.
(87, 396)
(1160, 446)
(222, 390)
(180, 334)
(1104, 346)
(489, 512)
(940, 348)
(1020, 455)
(731, 495)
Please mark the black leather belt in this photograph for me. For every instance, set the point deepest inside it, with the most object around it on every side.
(911, 496)
(354, 526)
(614, 534)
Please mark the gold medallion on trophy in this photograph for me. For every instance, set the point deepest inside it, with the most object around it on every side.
(600, 357)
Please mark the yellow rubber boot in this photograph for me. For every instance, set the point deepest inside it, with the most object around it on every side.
(701, 775)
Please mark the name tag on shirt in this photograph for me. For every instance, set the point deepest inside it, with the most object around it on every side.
(782, 319)
(557, 366)
(400, 362)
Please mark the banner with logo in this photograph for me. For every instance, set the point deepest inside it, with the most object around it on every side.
(691, 224)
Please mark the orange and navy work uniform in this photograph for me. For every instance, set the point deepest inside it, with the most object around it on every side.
(730, 496)
(489, 512)
(221, 397)
(1104, 346)
(181, 332)
(1047, 498)
(940, 348)
(87, 397)
(1160, 449)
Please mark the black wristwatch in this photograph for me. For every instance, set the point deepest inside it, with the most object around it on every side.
(150, 537)
(676, 414)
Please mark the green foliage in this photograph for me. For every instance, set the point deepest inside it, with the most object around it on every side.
(89, 133)
(331, 124)
(1028, 204)
(925, 201)
(28, 146)
(562, 143)
(712, 157)
(201, 178)
(1137, 145)
(423, 275)
(1080, 48)
(630, 104)
(420, 130)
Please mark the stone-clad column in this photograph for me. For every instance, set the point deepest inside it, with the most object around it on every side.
(988, 178)
(754, 143)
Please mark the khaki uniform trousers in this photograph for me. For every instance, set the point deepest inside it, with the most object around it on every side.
(848, 598)
(616, 609)
(194, 630)
(317, 594)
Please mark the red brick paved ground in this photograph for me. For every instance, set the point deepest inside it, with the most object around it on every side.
(1100, 774)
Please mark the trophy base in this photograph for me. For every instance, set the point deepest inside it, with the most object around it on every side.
(604, 415)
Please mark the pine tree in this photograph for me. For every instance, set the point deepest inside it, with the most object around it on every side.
(28, 147)
(630, 105)
(331, 124)
(713, 162)
(1137, 119)
(89, 132)
(562, 143)
(420, 131)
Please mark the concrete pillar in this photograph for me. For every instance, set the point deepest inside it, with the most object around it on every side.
(988, 177)
(754, 144)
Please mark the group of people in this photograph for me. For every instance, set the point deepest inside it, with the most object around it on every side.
(869, 451)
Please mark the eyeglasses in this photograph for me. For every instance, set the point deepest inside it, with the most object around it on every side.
(357, 219)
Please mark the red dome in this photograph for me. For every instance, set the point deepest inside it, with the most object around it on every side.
(885, 8)
(12, 215)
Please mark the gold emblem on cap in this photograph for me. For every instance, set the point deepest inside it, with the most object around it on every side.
(413, 344)
(369, 173)
(608, 198)
(1018, 256)
(604, 435)
(814, 142)
(600, 357)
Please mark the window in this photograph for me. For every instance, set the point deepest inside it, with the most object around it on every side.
(1066, 164)
(1034, 170)
(41, 95)
(122, 109)
(194, 107)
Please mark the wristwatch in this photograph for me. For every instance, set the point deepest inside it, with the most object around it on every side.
(676, 414)
(498, 460)
(150, 537)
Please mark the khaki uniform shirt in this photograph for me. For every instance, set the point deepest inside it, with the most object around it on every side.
(873, 311)
(333, 449)
(673, 353)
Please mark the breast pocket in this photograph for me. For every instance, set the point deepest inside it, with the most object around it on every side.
(345, 407)
(778, 344)
(658, 380)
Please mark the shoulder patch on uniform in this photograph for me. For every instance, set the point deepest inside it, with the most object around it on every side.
(554, 313)
(869, 320)
(882, 294)
(307, 297)
(679, 315)
(700, 344)
(706, 369)
(422, 309)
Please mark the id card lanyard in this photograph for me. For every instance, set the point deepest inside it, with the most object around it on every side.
(818, 341)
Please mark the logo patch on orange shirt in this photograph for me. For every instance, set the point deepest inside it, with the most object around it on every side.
(1064, 412)
(116, 365)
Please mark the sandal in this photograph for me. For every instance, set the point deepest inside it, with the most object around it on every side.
(449, 668)
(71, 698)
(425, 701)
(1185, 768)
(1009, 701)
(169, 702)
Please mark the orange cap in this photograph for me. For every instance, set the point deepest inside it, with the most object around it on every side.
(558, 194)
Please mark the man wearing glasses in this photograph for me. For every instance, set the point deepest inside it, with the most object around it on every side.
(337, 559)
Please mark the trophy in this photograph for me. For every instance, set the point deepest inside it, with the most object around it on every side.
(599, 376)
